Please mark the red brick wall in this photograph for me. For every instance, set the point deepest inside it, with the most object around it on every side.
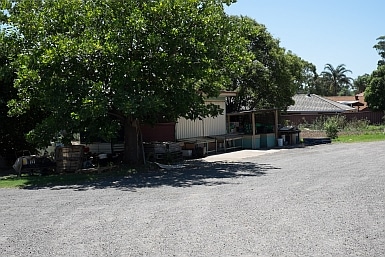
(161, 132)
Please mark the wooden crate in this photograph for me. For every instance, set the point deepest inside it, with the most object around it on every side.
(163, 152)
(69, 158)
(162, 147)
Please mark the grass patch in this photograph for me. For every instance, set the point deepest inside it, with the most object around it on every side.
(356, 138)
(68, 179)
(346, 131)
(368, 133)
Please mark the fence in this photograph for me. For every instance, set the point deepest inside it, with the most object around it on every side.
(372, 117)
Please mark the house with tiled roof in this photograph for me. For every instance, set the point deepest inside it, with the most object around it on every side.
(315, 104)
(309, 107)
(356, 101)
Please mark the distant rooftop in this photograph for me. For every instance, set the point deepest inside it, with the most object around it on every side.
(315, 103)
(357, 101)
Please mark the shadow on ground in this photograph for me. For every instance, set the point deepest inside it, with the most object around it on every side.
(196, 173)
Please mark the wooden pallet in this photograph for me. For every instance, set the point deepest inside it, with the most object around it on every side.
(163, 152)
(161, 147)
(69, 158)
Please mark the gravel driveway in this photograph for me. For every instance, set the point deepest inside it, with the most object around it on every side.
(326, 200)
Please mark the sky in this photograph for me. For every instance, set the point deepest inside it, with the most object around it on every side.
(321, 32)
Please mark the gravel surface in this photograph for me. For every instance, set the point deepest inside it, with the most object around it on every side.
(326, 200)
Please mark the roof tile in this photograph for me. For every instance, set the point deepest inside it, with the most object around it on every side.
(316, 103)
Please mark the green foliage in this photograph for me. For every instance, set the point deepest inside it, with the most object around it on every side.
(380, 47)
(88, 62)
(356, 138)
(12, 129)
(309, 84)
(361, 83)
(337, 124)
(271, 76)
(329, 124)
(336, 80)
(357, 125)
(375, 92)
(331, 127)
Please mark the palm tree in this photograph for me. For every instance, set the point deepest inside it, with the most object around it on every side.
(336, 77)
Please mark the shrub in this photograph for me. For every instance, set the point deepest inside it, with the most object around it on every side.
(332, 125)
(331, 129)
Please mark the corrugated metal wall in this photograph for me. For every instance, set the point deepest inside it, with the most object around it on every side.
(215, 126)
(188, 128)
(209, 126)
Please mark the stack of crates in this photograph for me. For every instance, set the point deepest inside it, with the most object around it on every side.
(69, 158)
(163, 152)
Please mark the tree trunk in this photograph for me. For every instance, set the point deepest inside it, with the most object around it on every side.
(131, 142)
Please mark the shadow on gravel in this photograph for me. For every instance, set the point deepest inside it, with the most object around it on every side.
(192, 174)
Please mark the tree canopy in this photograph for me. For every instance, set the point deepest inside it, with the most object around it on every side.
(380, 47)
(336, 78)
(272, 76)
(12, 129)
(97, 65)
(361, 82)
(375, 91)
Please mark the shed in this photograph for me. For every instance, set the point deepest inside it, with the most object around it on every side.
(259, 128)
(208, 126)
(208, 134)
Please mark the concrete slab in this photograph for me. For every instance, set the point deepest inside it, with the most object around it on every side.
(238, 155)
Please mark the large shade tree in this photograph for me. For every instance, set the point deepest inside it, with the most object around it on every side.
(104, 64)
(271, 77)
(336, 79)
(12, 129)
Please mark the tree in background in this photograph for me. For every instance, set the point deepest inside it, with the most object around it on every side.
(310, 76)
(375, 91)
(336, 79)
(361, 82)
(380, 47)
(98, 65)
(271, 77)
(304, 73)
